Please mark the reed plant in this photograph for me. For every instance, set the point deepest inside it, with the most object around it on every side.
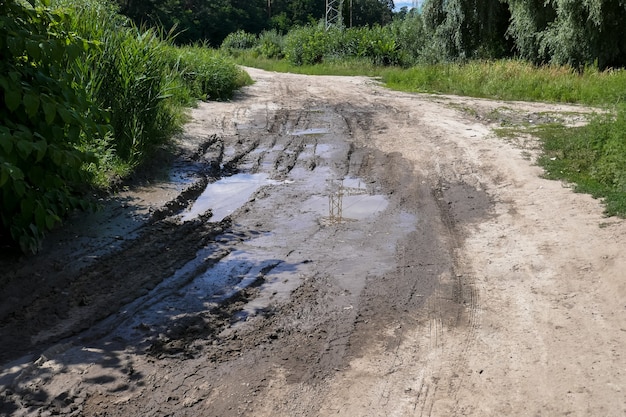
(143, 81)
(88, 97)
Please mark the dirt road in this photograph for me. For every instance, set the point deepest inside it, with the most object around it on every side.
(323, 246)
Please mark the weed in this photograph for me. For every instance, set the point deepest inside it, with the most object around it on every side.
(593, 157)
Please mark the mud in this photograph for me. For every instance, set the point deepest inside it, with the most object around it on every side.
(322, 246)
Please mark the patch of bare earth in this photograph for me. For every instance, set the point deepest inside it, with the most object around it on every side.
(323, 247)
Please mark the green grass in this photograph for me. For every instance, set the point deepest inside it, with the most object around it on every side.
(512, 80)
(347, 67)
(143, 82)
(592, 157)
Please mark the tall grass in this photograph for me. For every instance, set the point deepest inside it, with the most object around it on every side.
(512, 80)
(207, 74)
(143, 82)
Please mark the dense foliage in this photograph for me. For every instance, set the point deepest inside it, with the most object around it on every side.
(573, 32)
(211, 21)
(570, 32)
(85, 97)
(45, 120)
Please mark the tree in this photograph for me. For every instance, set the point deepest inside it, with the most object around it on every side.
(587, 31)
(466, 28)
(529, 20)
(368, 12)
(199, 20)
(574, 32)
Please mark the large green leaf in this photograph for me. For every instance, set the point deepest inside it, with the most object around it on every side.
(12, 98)
(49, 109)
(31, 103)
(6, 140)
(4, 175)
(25, 148)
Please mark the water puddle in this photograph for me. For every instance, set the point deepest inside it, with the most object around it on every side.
(226, 195)
(182, 178)
(234, 273)
(348, 200)
(311, 131)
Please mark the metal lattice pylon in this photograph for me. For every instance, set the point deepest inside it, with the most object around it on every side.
(333, 13)
(335, 202)
(335, 199)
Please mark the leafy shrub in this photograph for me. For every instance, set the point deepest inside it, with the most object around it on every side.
(239, 40)
(270, 44)
(83, 93)
(207, 74)
(314, 44)
(379, 44)
(410, 38)
(44, 118)
(306, 45)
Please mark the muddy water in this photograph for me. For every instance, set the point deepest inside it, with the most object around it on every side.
(225, 196)
(284, 227)
(301, 236)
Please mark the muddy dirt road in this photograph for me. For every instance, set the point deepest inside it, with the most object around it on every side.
(323, 246)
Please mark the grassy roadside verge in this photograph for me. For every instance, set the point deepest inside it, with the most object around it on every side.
(85, 99)
(512, 80)
(592, 157)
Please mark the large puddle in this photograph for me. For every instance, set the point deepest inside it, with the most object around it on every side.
(226, 195)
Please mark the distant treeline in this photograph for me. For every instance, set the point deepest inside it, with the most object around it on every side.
(212, 20)
(575, 33)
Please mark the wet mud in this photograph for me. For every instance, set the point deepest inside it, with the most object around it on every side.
(287, 242)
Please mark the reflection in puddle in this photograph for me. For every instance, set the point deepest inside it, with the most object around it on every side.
(312, 131)
(348, 200)
(225, 196)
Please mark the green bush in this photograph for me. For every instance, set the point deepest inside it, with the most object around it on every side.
(379, 45)
(45, 117)
(86, 96)
(314, 44)
(306, 45)
(270, 45)
(207, 74)
(410, 38)
(239, 40)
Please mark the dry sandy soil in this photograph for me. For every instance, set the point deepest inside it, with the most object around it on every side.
(324, 246)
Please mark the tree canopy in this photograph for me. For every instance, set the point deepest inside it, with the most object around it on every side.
(573, 32)
(213, 20)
